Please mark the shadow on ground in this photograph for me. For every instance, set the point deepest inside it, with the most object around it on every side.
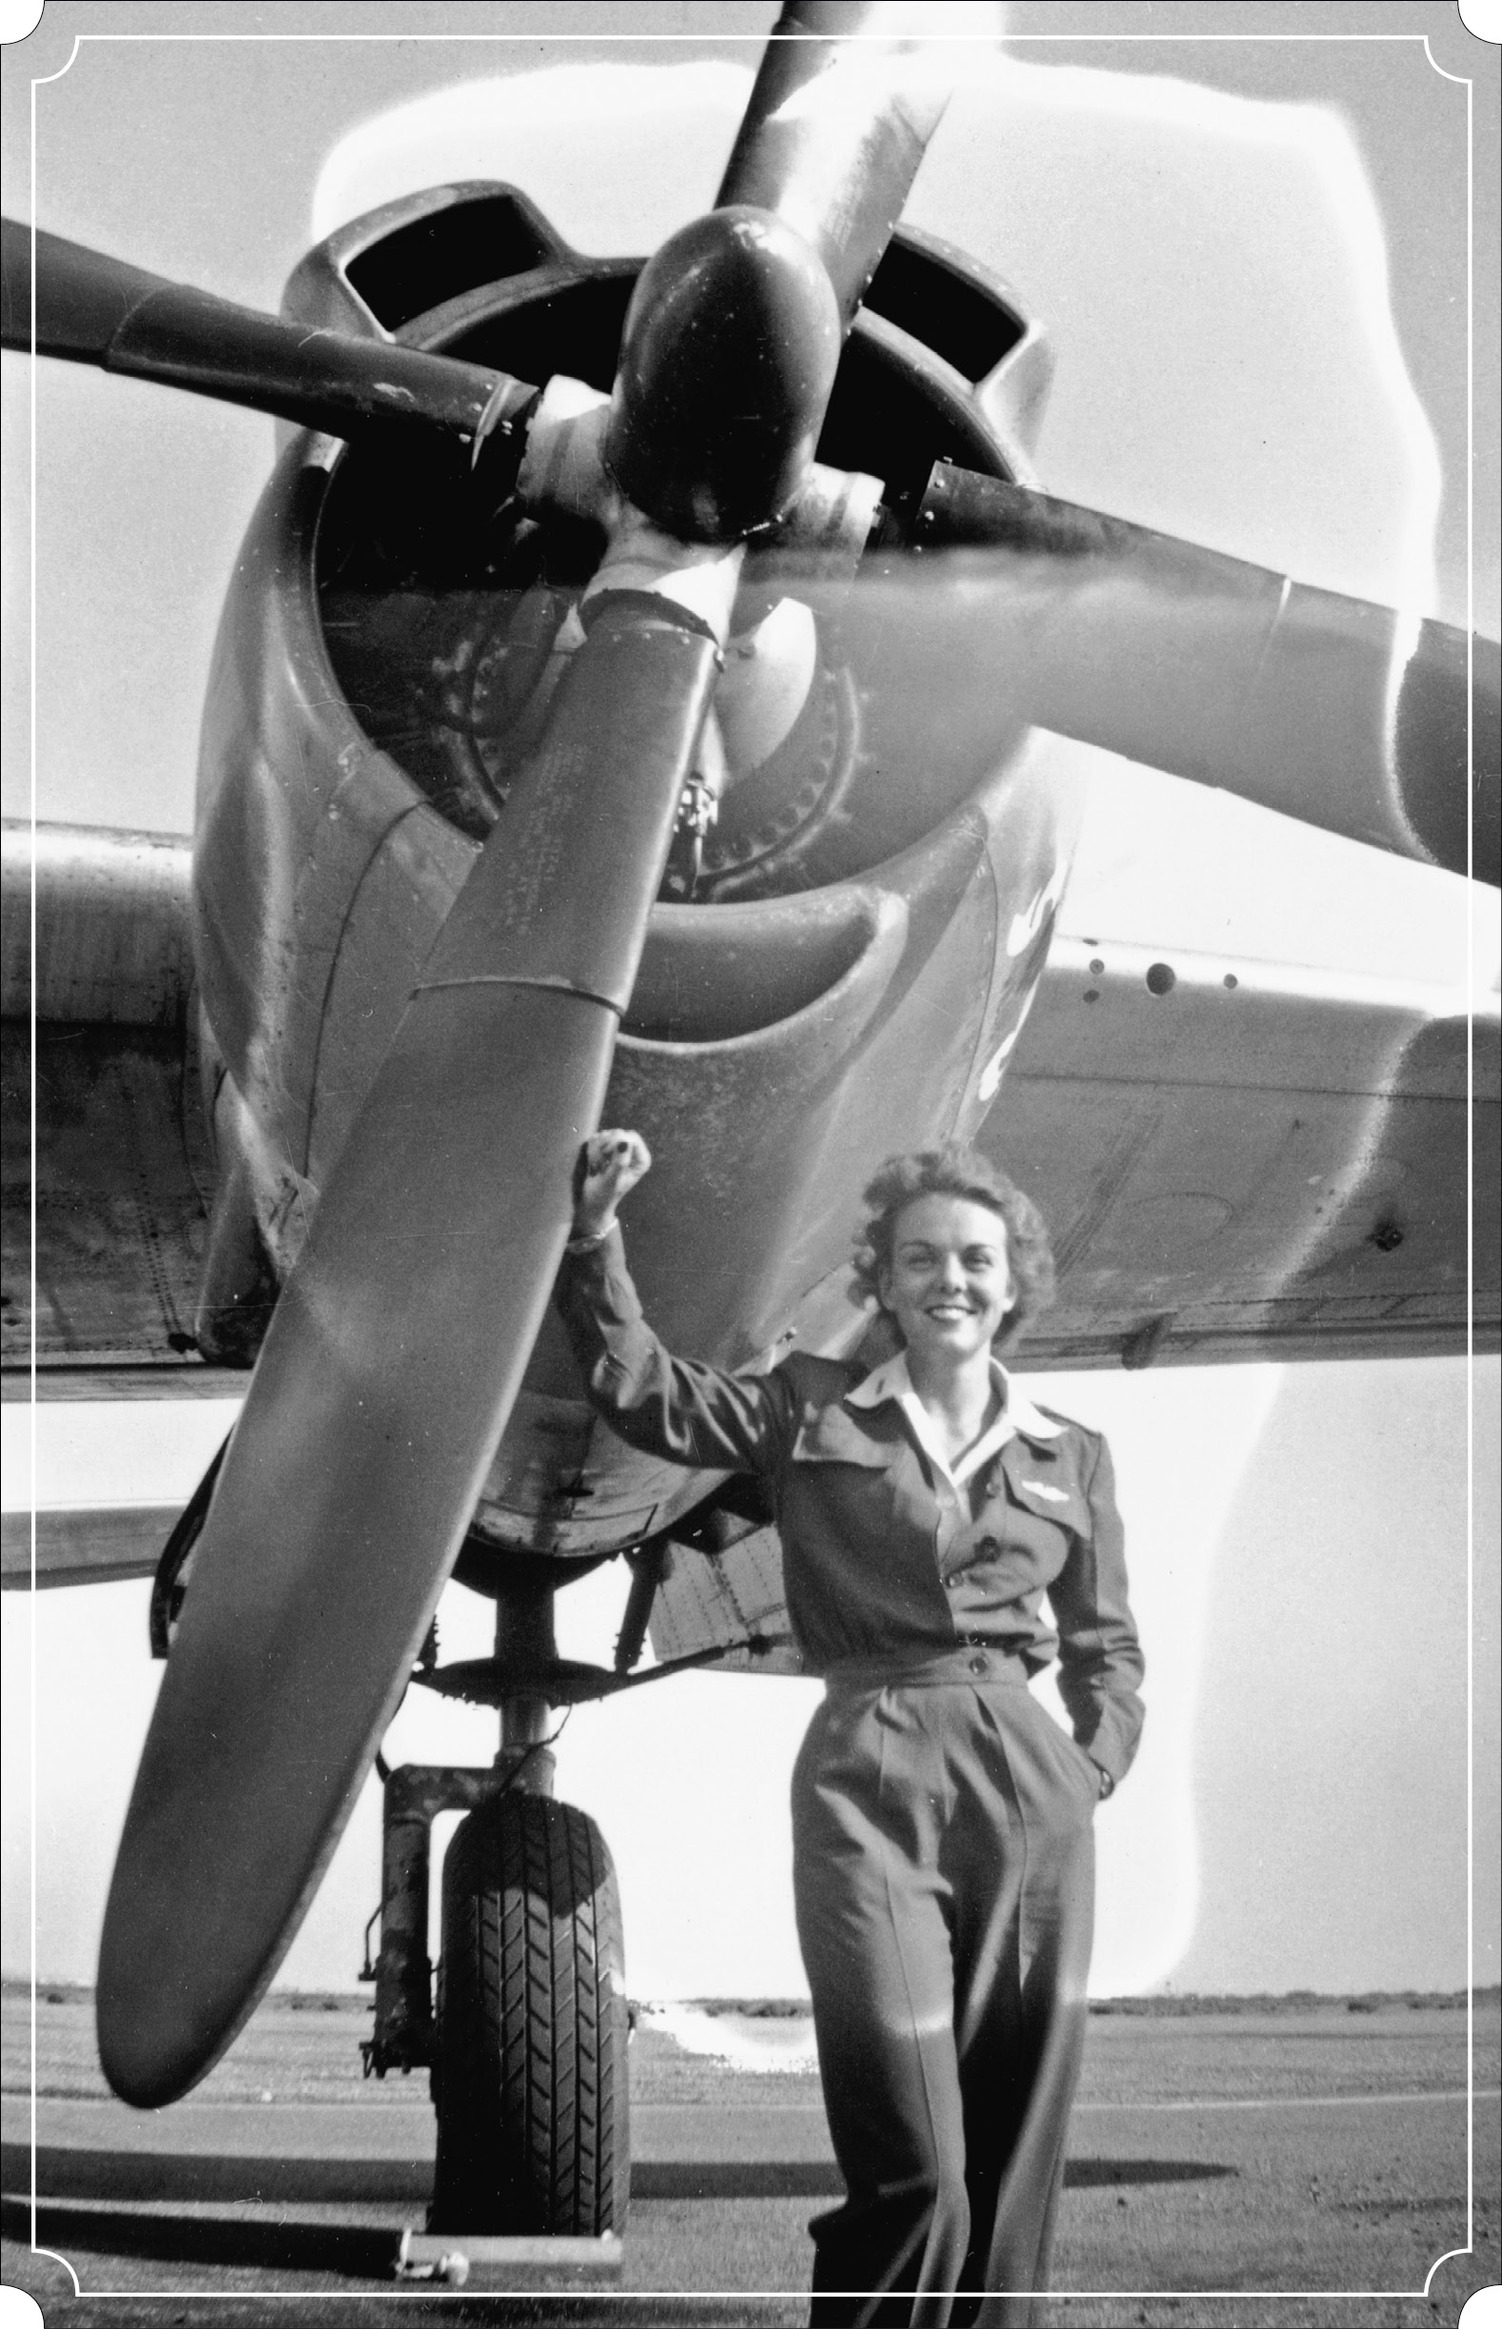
(108, 2227)
(63, 2175)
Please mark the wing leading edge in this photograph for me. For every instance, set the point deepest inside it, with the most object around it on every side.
(1243, 1160)
(1239, 1159)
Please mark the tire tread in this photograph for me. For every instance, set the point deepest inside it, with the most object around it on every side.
(530, 2075)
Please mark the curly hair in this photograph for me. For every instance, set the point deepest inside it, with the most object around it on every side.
(953, 1170)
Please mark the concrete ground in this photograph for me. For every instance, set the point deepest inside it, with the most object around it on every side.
(1281, 2168)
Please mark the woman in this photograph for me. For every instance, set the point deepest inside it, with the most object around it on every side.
(943, 1863)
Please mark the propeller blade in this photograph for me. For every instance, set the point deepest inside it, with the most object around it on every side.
(845, 101)
(392, 1361)
(734, 331)
(1340, 713)
(91, 309)
(400, 1337)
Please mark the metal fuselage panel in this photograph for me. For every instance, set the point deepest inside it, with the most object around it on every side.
(779, 1046)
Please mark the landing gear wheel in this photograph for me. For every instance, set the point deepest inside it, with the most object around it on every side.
(529, 2069)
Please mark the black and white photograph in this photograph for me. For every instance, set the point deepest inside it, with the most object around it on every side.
(752, 1275)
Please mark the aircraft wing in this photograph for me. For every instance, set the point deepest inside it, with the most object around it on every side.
(99, 1545)
(117, 1165)
(115, 1161)
(1250, 1160)
(1239, 1160)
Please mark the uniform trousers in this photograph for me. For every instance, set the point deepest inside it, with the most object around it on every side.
(943, 1859)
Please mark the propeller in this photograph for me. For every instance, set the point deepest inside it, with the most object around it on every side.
(401, 1335)
(1335, 711)
(836, 127)
(92, 309)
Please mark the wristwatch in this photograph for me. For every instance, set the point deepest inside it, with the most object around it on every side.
(1107, 1783)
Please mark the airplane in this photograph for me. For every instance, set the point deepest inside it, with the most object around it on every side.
(836, 963)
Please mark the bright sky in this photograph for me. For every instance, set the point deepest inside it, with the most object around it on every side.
(1229, 368)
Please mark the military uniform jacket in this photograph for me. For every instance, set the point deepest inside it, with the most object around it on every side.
(886, 1566)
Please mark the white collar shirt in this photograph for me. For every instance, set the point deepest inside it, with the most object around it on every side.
(891, 1380)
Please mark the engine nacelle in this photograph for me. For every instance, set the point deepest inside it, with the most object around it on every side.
(828, 983)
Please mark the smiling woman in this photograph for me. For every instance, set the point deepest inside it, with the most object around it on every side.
(943, 1863)
(882, 1272)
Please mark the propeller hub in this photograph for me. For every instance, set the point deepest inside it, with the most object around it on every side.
(727, 361)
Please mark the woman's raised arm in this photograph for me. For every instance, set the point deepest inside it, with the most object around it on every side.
(665, 1406)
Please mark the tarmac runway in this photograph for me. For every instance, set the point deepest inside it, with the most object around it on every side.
(1285, 2162)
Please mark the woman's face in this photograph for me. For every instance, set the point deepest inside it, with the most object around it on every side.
(949, 1285)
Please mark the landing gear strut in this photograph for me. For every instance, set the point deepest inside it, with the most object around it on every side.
(527, 2050)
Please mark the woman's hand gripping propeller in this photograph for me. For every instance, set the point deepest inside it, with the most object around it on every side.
(400, 1338)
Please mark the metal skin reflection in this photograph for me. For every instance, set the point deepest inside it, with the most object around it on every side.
(773, 1044)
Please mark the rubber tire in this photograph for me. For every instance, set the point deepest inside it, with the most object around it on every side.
(529, 2073)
